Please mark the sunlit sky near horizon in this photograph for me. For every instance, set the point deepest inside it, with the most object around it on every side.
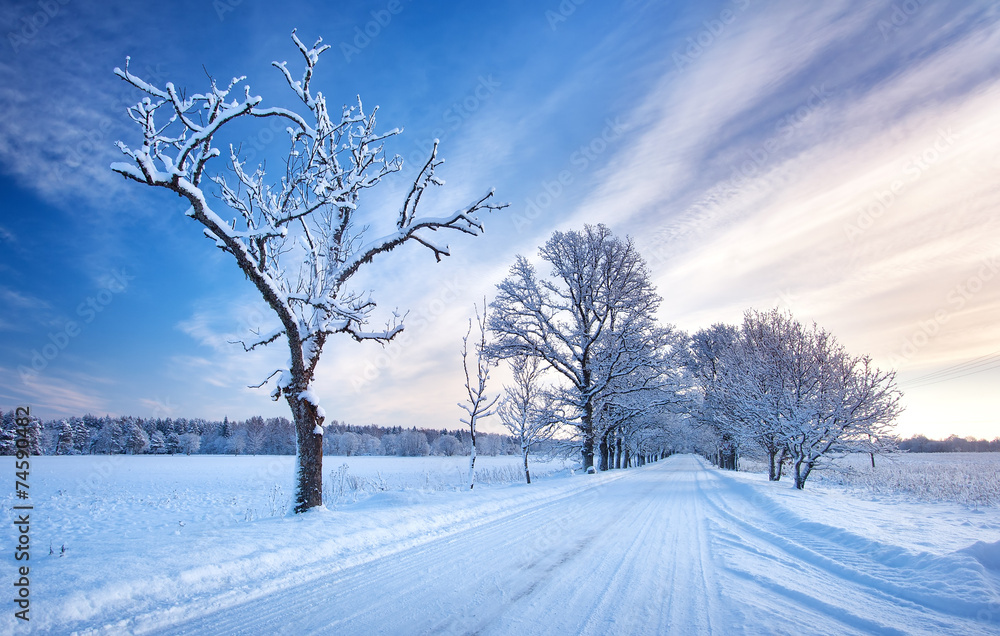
(840, 160)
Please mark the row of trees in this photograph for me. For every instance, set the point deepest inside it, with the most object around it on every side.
(791, 391)
(594, 368)
(254, 436)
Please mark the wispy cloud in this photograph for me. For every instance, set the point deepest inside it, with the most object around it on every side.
(56, 396)
(13, 298)
(780, 168)
(61, 119)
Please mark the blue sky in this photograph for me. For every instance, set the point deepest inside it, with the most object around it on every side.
(840, 160)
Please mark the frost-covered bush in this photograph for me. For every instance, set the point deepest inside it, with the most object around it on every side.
(505, 474)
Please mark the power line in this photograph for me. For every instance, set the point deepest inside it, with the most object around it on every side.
(914, 385)
(962, 366)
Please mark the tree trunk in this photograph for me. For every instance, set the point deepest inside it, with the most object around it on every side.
(873, 459)
(527, 475)
(618, 451)
(587, 423)
(727, 454)
(309, 454)
(472, 456)
(802, 470)
(604, 451)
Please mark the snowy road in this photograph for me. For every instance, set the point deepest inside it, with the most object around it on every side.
(674, 547)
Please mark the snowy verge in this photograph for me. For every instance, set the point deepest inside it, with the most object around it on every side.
(147, 543)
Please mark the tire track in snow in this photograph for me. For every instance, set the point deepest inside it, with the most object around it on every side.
(617, 575)
(389, 577)
(505, 569)
(249, 594)
(673, 547)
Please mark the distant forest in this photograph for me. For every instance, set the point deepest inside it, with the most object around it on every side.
(93, 435)
(954, 444)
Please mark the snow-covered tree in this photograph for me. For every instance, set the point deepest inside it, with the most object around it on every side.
(447, 445)
(582, 321)
(256, 434)
(708, 346)
(298, 239)
(348, 444)
(839, 403)
(107, 440)
(157, 443)
(526, 410)
(189, 443)
(412, 443)
(797, 393)
(64, 443)
(34, 435)
(8, 435)
(136, 441)
(236, 442)
(478, 405)
(280, 436)
(752, 382)
(369, 445)
(389, 444)
(81, 434)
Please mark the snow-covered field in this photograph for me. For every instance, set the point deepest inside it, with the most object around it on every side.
(972, 479)
(201, 545)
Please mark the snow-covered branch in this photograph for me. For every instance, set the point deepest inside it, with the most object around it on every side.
(478, 405)
(591, 321)
(299, 236)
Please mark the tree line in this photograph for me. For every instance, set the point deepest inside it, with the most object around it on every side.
(952, 444)
(128, 435)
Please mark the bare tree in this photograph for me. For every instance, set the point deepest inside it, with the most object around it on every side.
(300, 238)
(583, 321)
(479, 405)
(526, 410)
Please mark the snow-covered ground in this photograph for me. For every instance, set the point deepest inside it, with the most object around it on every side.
(972, 479)
(201, 545)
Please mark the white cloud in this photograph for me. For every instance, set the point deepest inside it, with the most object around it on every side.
(50, 395)
(781, 231)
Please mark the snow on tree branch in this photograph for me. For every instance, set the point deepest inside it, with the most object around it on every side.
(591, 321)
(298, 235)
(479, 405)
